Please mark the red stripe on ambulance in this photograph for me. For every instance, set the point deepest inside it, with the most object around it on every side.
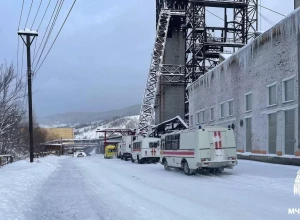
(181, 153)
(218, 140)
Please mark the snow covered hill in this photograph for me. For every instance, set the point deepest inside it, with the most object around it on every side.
(89, 132)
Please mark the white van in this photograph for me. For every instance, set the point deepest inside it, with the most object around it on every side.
(146, 150)
(204, 149)
(125, 147)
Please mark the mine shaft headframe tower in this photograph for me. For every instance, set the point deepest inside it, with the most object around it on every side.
(203, 48)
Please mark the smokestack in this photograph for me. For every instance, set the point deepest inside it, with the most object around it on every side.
(296, 4)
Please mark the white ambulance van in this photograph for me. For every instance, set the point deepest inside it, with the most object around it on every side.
(205, 149)
(145, 150)
(125, 147)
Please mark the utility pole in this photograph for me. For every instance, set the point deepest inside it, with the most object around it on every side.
(28, 33)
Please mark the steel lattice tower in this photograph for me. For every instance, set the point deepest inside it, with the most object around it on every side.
(205, 43)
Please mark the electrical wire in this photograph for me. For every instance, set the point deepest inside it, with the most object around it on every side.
(35, 55)
(36, 14)
(22, 57)
(50, 31)
(28, 14)
(19, 37)
(272, 10)
(56, 35)
(268, 20)
(44, 15)
(215, 15)
(21, 15)
(39, 28)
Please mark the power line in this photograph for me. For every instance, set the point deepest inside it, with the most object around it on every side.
(28, 14)
(267, 19)
(56, 36)
(50, 31)
(45, 32)
(18, 37)
(36, 14)
(34, 51)
(272, 10)
(20, 15)
(44, 15)
(22, 57)
(215, 15)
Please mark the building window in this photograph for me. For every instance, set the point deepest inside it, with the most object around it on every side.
(212, 117)
(289, 90)
(272, 133)
(198, 118)
(248, 102)
(230, 108)
(272, 98)
(289, 129)
(223, 110)
(202, 116)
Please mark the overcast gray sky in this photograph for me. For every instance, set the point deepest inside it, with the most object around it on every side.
(101, 59)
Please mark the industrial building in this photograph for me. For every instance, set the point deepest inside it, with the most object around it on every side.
(256, 92)
(59, 133)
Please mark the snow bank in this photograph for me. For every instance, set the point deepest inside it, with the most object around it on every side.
(19, 183)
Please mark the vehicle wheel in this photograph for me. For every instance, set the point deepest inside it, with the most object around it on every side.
(166, 165)
(186, 169)
(138, 159)
(220, 170)
(126, 158)
(132, 160)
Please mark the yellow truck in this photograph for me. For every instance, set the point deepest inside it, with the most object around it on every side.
(110, 151)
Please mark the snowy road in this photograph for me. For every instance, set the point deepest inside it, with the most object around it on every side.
(95, 188)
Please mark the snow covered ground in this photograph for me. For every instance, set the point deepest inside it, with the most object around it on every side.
(20, 182)
(96, 188)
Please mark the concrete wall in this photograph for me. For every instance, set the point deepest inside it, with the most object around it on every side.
(171, 99)
(270, 59)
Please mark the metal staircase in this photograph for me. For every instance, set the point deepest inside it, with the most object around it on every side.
(147, 112)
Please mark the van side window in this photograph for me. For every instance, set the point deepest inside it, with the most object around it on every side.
(168, 143)
(172, 142)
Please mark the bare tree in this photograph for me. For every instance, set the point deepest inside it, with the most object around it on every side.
(11, 92)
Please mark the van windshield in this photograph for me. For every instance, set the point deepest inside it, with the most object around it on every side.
(153, 145)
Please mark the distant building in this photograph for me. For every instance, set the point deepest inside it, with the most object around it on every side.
(58, 133)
